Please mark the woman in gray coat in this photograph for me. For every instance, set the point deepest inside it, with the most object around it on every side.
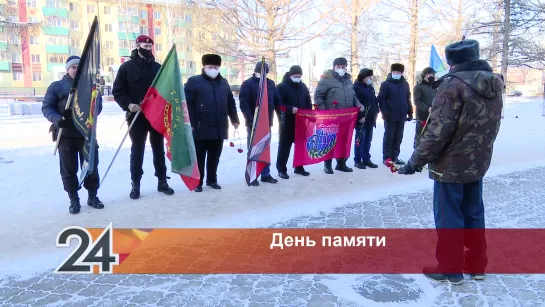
(336, 85)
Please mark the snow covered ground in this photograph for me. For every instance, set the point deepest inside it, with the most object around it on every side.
(35, 208)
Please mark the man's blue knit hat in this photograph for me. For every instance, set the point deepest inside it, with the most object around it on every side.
(72, 60)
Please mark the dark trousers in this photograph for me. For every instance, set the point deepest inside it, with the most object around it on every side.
(393, 136)
(460, 206)
(418, 130)
(267, 170)
(209, 152)
(139, 134)
(362, 146)
(287, 136)
(70, 156)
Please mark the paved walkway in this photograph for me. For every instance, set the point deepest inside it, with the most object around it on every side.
(512, 200)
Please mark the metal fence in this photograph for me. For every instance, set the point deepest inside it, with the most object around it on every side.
(22, 91)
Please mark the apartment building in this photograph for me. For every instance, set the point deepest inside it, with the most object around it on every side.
(34, 58)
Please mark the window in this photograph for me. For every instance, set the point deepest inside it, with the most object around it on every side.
(34, 40)
(74, 42)
(158, 47)
(121, 26)
(36, 76)
(17, 75)
(124, 44)
(55, 3)
(58, 21)
(32, 19)
(156, 15)
(35, 58)
(109, 45)
(108, 27)
(133, 11)
(90, 9)
(107, 10)
(143, 14)
(109, 61)
(189, 33)
(182, 62)
(190, 64)
(57, 40)
(74, 25)
(57, 58)
(143, 30)
(72, 7)
(188, 18)
(157, 31)
(31, 3)
(15, 39)
(188, 49)
(15, 58)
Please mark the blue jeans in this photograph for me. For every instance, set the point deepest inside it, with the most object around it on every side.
(361, 152)
(460, 206)
(267, 170)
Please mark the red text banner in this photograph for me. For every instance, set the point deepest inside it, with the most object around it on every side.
(308, 251)
(323, 135)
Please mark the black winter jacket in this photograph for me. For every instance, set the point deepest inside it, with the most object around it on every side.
(249, 91)
(54, 104)
(210, 102)
(367, 97)
(423, 95)
(394, 99)
(293, 95)
(133, 80)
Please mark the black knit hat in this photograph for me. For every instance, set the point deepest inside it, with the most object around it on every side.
(211, 59)
(364, 73)
(340, 61)
(295, 70)
(397, 67)
(462, 51)
(258, 68)
(428, 70)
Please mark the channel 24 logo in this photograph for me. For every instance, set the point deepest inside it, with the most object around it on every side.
(87, 253)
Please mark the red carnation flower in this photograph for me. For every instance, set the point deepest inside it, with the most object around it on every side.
(283, 108)
(240, 150)
(335, 102)
(423, 123)
(231, 144)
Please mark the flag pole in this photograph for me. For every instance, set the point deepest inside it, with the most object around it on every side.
(119, 148)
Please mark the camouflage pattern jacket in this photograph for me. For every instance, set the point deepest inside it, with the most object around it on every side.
(465, 120)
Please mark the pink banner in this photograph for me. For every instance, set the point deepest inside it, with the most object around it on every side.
(323, 135)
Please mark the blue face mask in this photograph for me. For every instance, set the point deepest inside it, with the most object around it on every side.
(396, 77)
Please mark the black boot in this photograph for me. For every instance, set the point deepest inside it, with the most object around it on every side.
(254, 183)
(74, 203)
(341, 166)
(327, 167)
(359, 165)
(370, 164)
(135, 191)
(163, 187)
(301, 171)
(93, 201)
(268, 179)
(283, 175)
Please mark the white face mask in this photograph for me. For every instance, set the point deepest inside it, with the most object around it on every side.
(257, 75)
(369, 81)
(295, 79)
(212, 73)
(340, 71)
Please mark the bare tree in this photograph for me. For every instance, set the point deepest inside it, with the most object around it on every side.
(11, 26)
(250, 29)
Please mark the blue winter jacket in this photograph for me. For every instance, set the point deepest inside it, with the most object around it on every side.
(54, 105)
(210, 103)
(394, 99)
(366, 95)
(248, 96)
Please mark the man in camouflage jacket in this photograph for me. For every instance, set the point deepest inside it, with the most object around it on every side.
(457, 144)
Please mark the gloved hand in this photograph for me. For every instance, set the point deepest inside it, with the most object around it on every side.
(63, 122)
(384, 116)
(67, 114)
(134, 107)
(362, 108)
(410, 117)
(409, 169)
(362, 121)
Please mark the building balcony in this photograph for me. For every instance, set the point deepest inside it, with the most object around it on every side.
(51, 66)
(180, 23)
(3, 46)
(123, 35)
(4, 66)
(56, 31)
(131, 19)
(57, 49)
(53, 11)
(124, 52)
(183, 70)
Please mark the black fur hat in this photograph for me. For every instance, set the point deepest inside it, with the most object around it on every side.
(211, 59)
(397, 67)
(340, 61)
(364, 73)
(462, 51)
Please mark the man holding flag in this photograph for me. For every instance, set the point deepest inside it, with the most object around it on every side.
(71, 142)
